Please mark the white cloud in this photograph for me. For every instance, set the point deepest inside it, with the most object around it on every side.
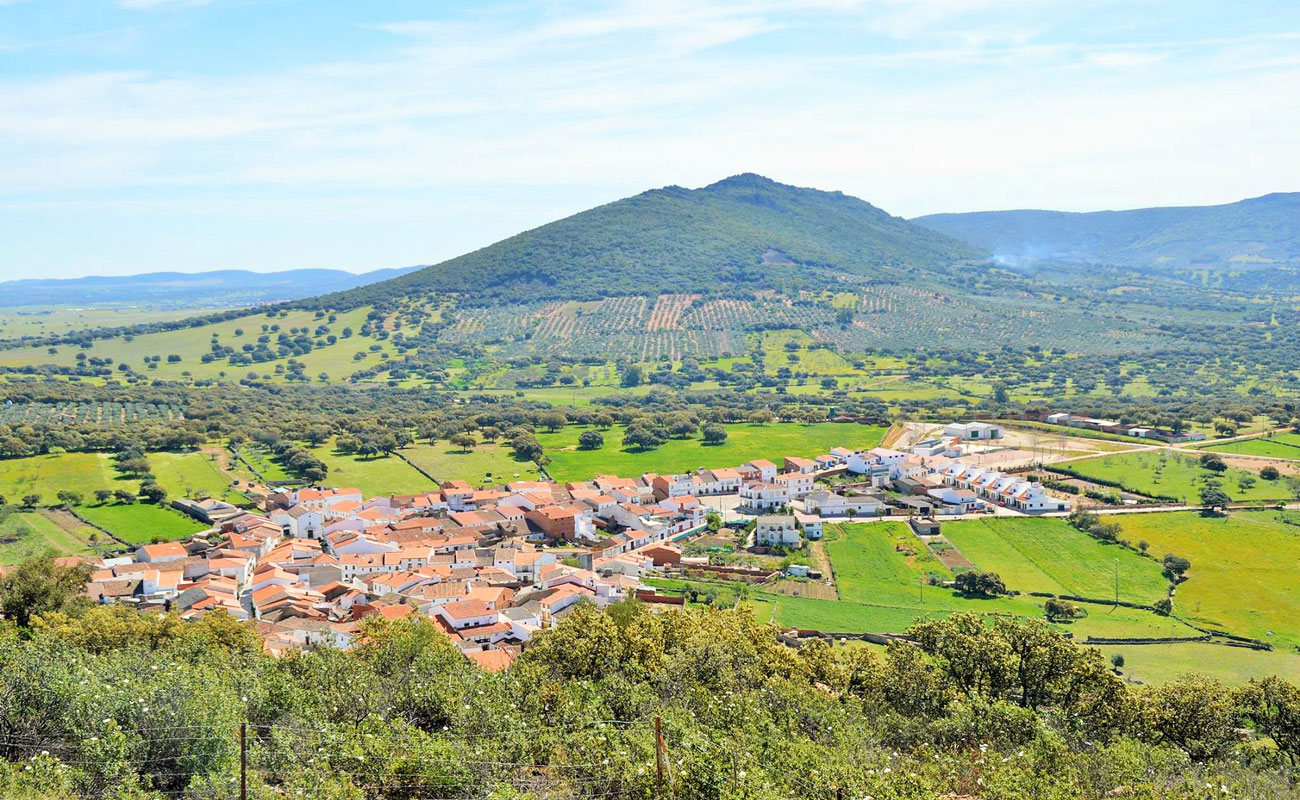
(472, 113)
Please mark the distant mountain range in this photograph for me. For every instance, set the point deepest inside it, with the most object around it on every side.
(745, 231)
(219, 288)
(1262, 231)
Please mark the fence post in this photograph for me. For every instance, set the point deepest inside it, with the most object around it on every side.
(243, 761)
(659, 756)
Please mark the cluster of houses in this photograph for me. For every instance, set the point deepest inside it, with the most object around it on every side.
(1120, 429)
(492, 566)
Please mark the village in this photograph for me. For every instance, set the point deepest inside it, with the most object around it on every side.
(492, 566)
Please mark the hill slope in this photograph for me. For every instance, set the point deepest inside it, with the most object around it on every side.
(734, 231)
(182, 290)
(1259, 231)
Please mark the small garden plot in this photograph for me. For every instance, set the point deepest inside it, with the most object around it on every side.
(27, 534)
(882, 562)
(1047, 555)
(1165, 474)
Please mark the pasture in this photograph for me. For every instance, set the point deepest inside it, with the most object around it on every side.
(377, 475)
(881, 562)
(141, 523)
(1242, 578)
(1169, 474)
(1282, 445)
(745, 442)
(192, 474)
(1161, 663)
(50, 474)
(485, 463)
(1047, 555)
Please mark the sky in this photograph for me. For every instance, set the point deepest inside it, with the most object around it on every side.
(188, 135)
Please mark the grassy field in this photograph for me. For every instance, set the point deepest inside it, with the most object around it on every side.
(373, 476)
(141, 523)
(31, 533)
(849, 617)
(48, 475)
(191, 474)
(1047, 555)
(1161, 663)
(485, 463)
(1162, 472)
(260, 459)
(1243, 569)
(744, 443)
(869, 567)
(880, 569)
(1282, 445)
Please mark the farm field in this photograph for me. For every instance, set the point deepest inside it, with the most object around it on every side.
(880, 568)
(850, 617)
(1242, 578)
(31, 533)
(1282, 445)
(373, 476)
(1163, 472)
(870, 568)
(486, 462)
(1161, 663)
(141, 523)
(50, 474)
(1047, 555)
(191, 474)
(745, 442)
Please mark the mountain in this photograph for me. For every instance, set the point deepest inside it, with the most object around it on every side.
(1261, 231)
(745, 231)
(188, 290)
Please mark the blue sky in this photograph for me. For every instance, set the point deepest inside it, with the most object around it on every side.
(144, 135)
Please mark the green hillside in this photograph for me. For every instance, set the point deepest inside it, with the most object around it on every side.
(1259, 231)
(746, 230)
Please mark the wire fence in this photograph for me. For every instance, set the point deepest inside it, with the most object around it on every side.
(565, 761)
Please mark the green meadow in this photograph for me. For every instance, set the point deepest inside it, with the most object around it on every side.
(141, 523)
(484, 463)
(1047, 555)
(1169, 474)
(50, 474)
(373, 475)
(1243, 574)
(745, 442)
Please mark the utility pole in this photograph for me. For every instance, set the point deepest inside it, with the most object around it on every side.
(659, 756)
(1117, 581)
(243, 761)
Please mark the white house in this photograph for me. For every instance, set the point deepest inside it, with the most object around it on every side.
(764, 496)
(973, 431)
(829, 504)
(777, 530)
(812, 525)
(798, 484)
